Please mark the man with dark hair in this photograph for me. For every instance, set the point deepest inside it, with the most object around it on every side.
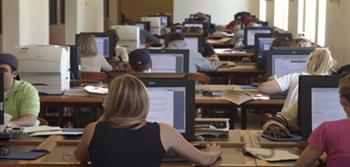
(140, 60)
(197, 61)
(21, 99)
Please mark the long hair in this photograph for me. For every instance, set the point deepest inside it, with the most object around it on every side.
(320, 62)
(87, 45)
(127, 103)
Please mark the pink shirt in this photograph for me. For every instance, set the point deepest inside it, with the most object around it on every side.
(333, 138)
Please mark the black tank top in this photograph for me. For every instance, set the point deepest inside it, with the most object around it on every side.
(126, 147)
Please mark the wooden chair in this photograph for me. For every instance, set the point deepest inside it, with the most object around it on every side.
(200, 77)
(93, 77)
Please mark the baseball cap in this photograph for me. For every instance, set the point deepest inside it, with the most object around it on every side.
(7, 58)
(139, 57)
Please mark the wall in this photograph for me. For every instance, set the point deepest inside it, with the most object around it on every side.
(337, 30)
(135, 9)
(222, 11)
(293, 17)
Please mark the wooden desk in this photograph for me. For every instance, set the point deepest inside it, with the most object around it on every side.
(221, 43)
(61, 153)
(232, 54)
(244, 73)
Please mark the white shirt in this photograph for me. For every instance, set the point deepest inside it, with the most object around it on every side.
(121, 53)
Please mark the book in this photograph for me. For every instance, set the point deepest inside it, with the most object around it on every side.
(272, 155)
(239, 97)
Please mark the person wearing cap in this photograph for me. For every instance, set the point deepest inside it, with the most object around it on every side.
(331, 137)
(21, 99)
(197, 61)
(140, 60)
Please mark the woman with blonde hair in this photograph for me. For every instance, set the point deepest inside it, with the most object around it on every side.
(123, 137)
(320, 63)
(91, 60)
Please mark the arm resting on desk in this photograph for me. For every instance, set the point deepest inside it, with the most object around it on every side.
(269, 87)
(172, 139)
(308, 157)
(26, 120)
(82, 150)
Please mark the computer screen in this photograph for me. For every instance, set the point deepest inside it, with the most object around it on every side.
(249, 34)
(156, 23)
(263, 43)
(172, 102)
(194, 42)
(169, 61)
(282, 62)
(2, 112)
(193, 24)
(207, 17)
(105, 43)
(74, 62)
(318, 102)
(144, 25)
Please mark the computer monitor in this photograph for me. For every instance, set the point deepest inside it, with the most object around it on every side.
(199, 24)
(207, 17)
(2, 112)
(263, 43)
(194, 42)
(282, 62)
(74, 62)
(144, 25)
(169, 60)
(318, 102)
(105, 43)
(249, 34)
(156, 23)
(172, 102)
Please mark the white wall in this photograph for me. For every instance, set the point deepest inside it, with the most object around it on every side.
(222, 11)
(83, 16)
(24, 23)
(337, 30)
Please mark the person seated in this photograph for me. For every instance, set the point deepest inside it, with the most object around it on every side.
(21, 99)
(197, 61)
(280, 42)
(331, 137)
(301, 42)
(121, 54)
(209, 52)
(320, 63)
(91, 60)
(123, 137)
(140, 61)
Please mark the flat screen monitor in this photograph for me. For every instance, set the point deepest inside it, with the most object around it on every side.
(194, 42)
(207, 17)
(318, 102)
(249, 34)
(169, 60)
(263, 43)
(172, 102)
(282, 62)
(144, 25)
(2, 112)
(105, 43)
(74, 62)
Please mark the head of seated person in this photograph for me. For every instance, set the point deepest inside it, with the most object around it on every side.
(301, 42)
(175, 40)
(280, 42)
(344, 92)
(140, 60)
(321, 62)
(192, 30)
(87, 45)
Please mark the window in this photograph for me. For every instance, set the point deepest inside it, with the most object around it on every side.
(301, 16)
(310, 19)
(321, 27)
(281, 8)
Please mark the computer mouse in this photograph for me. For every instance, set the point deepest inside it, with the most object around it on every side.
(4, 151)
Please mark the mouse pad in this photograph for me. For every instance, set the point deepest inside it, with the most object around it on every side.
(291, 138)
(15, 155)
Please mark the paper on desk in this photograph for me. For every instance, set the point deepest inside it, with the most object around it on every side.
(272, 154)
(238, 96)
(96, 89)
(79, 91)
(58, 132)
(44, 128)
